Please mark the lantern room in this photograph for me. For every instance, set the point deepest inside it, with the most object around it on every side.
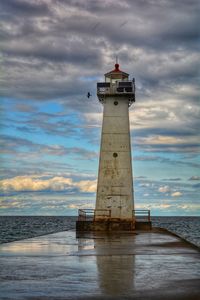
(116, 75)
(116, 84)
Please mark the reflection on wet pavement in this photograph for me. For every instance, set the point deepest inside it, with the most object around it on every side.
(147, 265)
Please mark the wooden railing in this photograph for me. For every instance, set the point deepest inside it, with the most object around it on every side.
(142, 215)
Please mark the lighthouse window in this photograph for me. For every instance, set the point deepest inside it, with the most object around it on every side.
(116, 103)
(115, 154)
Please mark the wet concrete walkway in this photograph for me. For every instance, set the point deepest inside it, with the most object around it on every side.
(147, 265)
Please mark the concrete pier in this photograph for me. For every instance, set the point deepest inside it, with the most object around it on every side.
(144, 265)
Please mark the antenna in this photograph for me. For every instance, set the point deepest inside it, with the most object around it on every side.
(116, 59)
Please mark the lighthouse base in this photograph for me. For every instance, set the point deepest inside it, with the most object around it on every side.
(105, 225)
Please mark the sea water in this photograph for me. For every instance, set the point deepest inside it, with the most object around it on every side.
(14, 228)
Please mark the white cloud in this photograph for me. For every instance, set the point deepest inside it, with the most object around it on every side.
(194, 178)
(42, 60)
(144, 184)
(79, 206)
(169, 113)
(153, 206)
(88, 186)
(93, 119)
(163, 140)
(32, 183)
(142, 206)
(164, 189)
(163, 206)
(184, 207)
(176, 194)
(37, 183)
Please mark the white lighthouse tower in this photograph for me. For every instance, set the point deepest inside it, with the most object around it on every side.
(115, 199)
(115, 179)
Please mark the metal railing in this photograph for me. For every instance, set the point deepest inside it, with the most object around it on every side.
(85, 214)
(142, 215)
(124, 87)
(93, 214)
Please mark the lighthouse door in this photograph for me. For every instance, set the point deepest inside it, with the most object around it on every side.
(115, 204)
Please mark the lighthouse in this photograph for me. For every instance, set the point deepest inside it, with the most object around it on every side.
(115, 180)
(114, 209)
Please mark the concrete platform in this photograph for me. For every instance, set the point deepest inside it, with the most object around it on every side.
(147, 265)
(104, 225)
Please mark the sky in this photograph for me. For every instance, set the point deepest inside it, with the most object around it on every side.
(52, 53)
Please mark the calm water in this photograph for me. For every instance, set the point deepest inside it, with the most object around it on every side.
(17, 228)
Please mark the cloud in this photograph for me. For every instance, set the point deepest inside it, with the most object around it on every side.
(60, 194)
(154, 206)
(36, 183)
(158, 143)
(23, 7)
(163, 49)
(176, 194)
(13, 145)
(24, 183)
(144, 184)
(43, 61)
(185, 207)
(196, 186)
(87, 186)
(164, 206)
(81, 206)
(54, 52)
(164, 189)
(172, 179)
(194, 178)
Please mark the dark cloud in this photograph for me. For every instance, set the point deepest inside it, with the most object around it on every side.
(24, 7)
(196, 186)
(72, 37)
(56, 51)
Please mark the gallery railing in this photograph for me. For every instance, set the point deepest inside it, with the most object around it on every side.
(93, 214)
(142, 215)
(120, 88)
(124, 87)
